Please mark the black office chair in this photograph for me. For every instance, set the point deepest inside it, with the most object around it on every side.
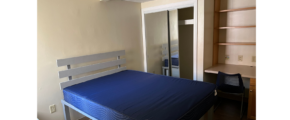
(231, 84)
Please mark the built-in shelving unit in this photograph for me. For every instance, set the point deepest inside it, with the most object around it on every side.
(237, 27)
(237, 43)
(240, 9)
(234, 44)
(217, 28)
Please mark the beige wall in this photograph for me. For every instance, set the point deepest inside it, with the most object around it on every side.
(68, 28)
(158, 2)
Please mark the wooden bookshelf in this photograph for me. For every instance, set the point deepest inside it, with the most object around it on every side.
(237, 27)
(236, 67)
(238, 43)
(240, 9)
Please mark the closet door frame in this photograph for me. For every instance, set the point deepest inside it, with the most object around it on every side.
(168, 7)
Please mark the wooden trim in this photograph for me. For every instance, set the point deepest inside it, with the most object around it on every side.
(238, 43)
(89, 68)
(90, 77)
(252, 96)
(89, 58)
(216, 32)
(239, 9)
(252, 81)
(252, 118)
(237, 27)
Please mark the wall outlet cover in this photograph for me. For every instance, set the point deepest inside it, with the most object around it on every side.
(227, 57)
(52, 108)
(240, 58)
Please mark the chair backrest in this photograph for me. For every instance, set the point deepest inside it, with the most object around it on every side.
(229, 79)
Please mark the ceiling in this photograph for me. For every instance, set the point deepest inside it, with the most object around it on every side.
(140, 1)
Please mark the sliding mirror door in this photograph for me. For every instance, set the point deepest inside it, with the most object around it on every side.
(174, 43)
(156, 32)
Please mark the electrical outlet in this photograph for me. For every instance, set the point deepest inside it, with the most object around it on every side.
(240, 58)
(52, 108)
(253, 58)
(227, 57)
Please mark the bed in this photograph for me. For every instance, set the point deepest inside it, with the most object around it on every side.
(174, 60)
(131, 95)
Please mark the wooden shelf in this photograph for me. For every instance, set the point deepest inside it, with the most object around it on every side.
(186, 22)
(240, 9)
(238, 43)
(237, 27)
(245, 71)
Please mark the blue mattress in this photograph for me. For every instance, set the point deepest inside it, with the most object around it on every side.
(134, 95)
(174, 59)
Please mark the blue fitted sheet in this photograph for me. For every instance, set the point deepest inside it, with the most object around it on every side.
(174, 59)
(134, 95)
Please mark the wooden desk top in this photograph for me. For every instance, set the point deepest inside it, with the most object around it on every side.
(245, 71)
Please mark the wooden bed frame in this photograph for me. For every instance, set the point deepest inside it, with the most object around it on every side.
(85, 69)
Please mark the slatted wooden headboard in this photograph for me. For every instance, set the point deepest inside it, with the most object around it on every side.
(85, 69)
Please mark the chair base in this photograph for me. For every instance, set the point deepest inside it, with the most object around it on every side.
(242, 101)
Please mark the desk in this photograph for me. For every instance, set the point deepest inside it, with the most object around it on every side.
(245, 71)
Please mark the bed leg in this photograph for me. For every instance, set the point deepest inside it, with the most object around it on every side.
(66, 112)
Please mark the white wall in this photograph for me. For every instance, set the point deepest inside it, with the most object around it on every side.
(68, 28)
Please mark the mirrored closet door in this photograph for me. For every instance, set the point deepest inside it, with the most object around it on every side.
(170, 31)
(156, 32)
